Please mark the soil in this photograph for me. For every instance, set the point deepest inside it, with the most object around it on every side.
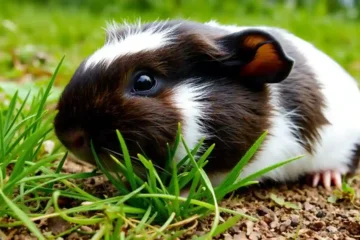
(287, 211)
(310, 216)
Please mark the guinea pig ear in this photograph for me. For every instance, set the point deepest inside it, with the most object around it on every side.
(256, 57)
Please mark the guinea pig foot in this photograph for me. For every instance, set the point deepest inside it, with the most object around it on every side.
(327, 178)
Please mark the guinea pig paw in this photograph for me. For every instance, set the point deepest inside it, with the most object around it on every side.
(327, 178)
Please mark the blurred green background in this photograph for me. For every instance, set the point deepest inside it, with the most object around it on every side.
(35, 34)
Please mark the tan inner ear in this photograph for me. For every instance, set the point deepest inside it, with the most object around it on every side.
(266, 60)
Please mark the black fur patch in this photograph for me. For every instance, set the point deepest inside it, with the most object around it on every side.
(355, 159)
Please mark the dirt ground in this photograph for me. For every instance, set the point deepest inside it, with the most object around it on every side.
(288, 211)
(311, 217)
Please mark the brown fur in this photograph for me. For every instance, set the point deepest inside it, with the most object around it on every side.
(305, 97)
(237, 123)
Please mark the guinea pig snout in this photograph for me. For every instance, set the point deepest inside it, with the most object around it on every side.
(75, 140)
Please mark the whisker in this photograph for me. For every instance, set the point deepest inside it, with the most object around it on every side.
(137, 161)
(137, 164)
(121, 155)
(142, 150)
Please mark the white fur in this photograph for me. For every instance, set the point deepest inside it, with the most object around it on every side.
(186, 98)
(338, 140)
(133, 42)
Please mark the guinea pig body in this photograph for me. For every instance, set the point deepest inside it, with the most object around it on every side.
(315, 114)
(226, 83)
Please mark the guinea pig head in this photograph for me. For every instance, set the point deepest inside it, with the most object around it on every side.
(148, 78)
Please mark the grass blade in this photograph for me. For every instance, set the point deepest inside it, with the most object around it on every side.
(2, 145)
(164, 226)
(22, 216)
(174, 188)
(127, 159)
(226, 225)
(41, 106)
(235, 172)
(15, 178)
(193, 152)
(10, 111)
(144, 219)
(209, 188)
(118, 184)
(197, 178)
(255, 175)
(59, 167)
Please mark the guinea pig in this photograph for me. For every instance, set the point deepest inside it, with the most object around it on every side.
(228, 84)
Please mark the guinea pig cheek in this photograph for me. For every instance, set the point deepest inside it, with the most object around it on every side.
(148, 124)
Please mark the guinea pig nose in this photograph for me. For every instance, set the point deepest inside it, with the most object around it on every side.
(77, 139)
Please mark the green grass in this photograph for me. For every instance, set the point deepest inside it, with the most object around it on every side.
(31, 180)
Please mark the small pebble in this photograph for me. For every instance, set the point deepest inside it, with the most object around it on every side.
(341, 215)
(282, 228)
(303, 231)
(267, 218)
(294, 220)
(263, 224)
(274, 224)
(240, 236)
(270, 235)
(352, 227)
(317, 226)
(278, 238)
(321, 214)
(57, 225)
(254, 236)
(48, 146)
(86, 229)
(262, 211)
(227, 236)
(354, 213)
(74, 235)
(286, 223)
(308, 206)
(310, 217)
(92, 181)
(331, 229)
(249, 227)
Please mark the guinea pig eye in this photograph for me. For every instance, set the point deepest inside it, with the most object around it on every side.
(144, 83)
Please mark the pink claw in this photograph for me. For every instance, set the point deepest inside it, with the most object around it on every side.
(316, 179)
(327, 177)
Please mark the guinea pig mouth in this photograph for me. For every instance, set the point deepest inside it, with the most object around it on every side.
(83, 155)
(86, 154)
